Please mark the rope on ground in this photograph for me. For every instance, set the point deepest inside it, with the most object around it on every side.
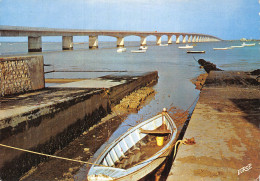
(180, 142)
(53, 156)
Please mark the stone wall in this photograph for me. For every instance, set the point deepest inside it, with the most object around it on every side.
(21, 74)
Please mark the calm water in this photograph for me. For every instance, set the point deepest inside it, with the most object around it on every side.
(175, 67)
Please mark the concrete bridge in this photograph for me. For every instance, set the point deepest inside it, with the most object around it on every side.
(35, 36)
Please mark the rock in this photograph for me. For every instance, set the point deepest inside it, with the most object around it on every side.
(208, 66)
(255, 72)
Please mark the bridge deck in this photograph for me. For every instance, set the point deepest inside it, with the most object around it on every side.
(7, 31)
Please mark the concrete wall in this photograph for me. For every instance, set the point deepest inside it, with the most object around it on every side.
(21, 74)
(47, 129)
(54, 124)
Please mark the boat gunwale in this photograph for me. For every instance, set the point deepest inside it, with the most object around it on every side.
(162, 152)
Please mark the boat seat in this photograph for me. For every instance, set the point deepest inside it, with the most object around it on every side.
(155, 132)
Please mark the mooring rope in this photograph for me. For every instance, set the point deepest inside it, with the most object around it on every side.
(53, 156)
(180, 142)
(195, 59)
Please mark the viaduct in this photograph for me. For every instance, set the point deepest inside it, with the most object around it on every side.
(35, 36)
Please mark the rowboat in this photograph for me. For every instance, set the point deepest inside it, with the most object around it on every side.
(196, 51)
(119, 50)
(137, 152)
(186, 46)
(248, 45)
(143, 48)
(138, 51)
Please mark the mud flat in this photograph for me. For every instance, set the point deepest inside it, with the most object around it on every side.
(47, 120)
(225, 125)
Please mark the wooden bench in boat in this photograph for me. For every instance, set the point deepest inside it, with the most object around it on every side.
(156, 131)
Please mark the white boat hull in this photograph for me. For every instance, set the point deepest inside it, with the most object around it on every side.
(185, 47)
(237, 46)
(143, 48)
(227, 48)
(248, 45)
(111, 155)
(138, 51)
(119, 50)
(163, 45)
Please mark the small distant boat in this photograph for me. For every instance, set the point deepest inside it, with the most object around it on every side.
(196, 51)
(119, 50)
(138, 51)
(137, 152)
(226, 48)
(163, 45)
(143, 48)
(187, 46)
(248, 45)
(239, 46)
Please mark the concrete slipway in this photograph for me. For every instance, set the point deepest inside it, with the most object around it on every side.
(225, 125)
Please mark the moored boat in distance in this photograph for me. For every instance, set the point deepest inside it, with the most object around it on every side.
(237, 46)
(137, 152)
(119, 50)
(186, 46)
(196, 51)
(226, 48)
(138, 51)
(143, 48)
(163, 45)
(248, 45)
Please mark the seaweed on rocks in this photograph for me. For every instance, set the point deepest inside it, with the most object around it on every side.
(208, 66)
(255, 72)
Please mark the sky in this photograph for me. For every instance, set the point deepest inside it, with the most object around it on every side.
(226, 19)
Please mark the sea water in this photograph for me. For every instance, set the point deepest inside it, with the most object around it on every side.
(175, 68)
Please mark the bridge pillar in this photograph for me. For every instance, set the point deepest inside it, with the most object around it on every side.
(158, 40)
(200, 39)
(93, 42)
(120, 42)
(193, 39)
(189, 38)
(67, 43)
(177, 39)
(170, 39)
(183, 38)
(143, 41)
(34, 44)
(197, 38)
